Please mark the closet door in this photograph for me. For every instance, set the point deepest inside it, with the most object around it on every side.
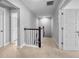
(69, 39)
(1, 28)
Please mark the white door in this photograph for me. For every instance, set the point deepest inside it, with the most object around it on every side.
(1, 28)
(69, 38)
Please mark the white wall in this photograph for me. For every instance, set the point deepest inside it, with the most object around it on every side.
(52, 27)
(26, 18)
(46, 22)
(37, 22)
(14, 28)
(56, 28)
(74, 4)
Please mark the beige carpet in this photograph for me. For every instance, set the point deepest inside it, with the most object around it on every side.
(48, 50)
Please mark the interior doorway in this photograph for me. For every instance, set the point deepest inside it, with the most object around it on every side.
(45, 23)
(1, 27)
(9, 23)
(14, 26)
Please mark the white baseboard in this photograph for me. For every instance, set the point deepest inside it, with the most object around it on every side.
(27, 45)
(33, 46)
(21, 46)
(5, 44)
(0, 46)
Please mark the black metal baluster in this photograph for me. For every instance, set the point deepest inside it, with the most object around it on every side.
(39, 37)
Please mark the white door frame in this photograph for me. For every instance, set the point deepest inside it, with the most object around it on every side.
(18, 20)
(18, 27)
(2, 30)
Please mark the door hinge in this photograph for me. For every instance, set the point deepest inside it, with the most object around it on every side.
(62, 28)
(62, 43)
(62, 13)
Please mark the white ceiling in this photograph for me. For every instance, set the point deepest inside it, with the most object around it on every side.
(40, 8)
(65, 3)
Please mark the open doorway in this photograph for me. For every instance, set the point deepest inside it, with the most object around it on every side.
(45, 23)
(14, 26)
(9, 23)
(1, 27)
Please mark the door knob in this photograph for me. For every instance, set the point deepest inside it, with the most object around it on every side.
(1, 30)
(77, 31)
(78, 34)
